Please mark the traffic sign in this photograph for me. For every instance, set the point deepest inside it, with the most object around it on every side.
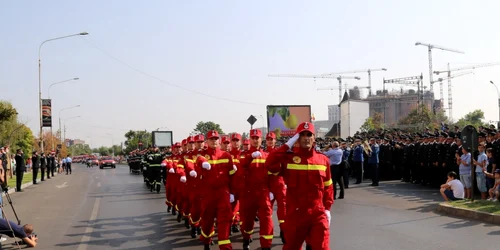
(251, 120)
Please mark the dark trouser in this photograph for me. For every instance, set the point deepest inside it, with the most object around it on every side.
(19, 179)
(42, 173)
(337, 172)
(48, 172)
(374, 172)
(52, 169)
(358, 170)
(68, 167)
(154, 175)
(345, 174)
(35, 174)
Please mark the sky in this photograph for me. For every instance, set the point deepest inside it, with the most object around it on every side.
(170, 64)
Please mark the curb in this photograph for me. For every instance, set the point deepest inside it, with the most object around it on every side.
(449, 210)
(25, 185)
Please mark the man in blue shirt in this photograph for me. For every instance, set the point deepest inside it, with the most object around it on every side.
(345, 163)
(25, 232)
(68, 164)
(373, 161)
(357, 161)
(335, 155)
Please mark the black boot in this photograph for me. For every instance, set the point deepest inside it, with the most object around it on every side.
(169, 208)
(282, 236)
(207, 247)
(266, 248)
(234, 228)
(246, 245)
(193, 232)
(256, 218)
(186, 223)
(308, 247)
(198, 230)
(179, 217)
(174, 212)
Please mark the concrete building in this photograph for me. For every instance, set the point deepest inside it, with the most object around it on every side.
(396, 105)
(353, 114)
(334, 113)
(322, 127)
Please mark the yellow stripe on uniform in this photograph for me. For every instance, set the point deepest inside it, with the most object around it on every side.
(267, 237)
(249, 232)
(189, 160)
(180, 166)
(270, 173)
(306, 167)
(232, 172)
(281, 221)
(259, 161)
(209, 236)
(218, 161)
(328, 183)
(236, 161)
(224, 242)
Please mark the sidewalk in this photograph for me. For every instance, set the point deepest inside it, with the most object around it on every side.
(12, 189)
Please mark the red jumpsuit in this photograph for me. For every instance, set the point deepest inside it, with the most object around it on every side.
(173, 181)
(277, 187)
(237, 184)
(309, 194)
(255, 198)
(194, 184)
(183, 189)
(215, 192)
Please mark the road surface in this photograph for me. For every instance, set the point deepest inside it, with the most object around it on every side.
(112, 209)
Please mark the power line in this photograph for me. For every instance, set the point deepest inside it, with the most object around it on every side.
(163, 81)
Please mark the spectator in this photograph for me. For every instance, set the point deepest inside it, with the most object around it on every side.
(335, 155)
(464, 162)
(20, 169)
(492, 166)
(495, 190)
(453, 189)
(28, 165)
(373, 161)
(479, 171)
(10, 160)
(23, 232)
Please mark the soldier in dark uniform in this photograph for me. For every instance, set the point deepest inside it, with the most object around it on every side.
(442, 154)
(415, 173)
(153, 160)
(405, 164)
(43, 166)
(35, 162)
(423, 157)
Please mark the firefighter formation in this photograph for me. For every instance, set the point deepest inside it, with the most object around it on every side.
(213, 185)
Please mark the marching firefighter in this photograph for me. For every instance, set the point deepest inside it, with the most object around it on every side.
(309, 190)
(225, 144)
(237, 181)
(153, 160)
(216, 168)
(181, 186)
(186, 186)
(256, 198)
(195, 181)
(172, 178)
(277, 187)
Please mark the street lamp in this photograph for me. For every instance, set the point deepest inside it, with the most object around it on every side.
(498, 93)
(60, 131)
(72, 79)
(40, 78)
(65, 126)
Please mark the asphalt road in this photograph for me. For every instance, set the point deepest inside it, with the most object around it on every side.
(111, 209)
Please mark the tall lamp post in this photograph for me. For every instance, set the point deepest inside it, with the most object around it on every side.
(60, 128)
(112, 144)
(40, 78)
(498, 93)
(72, 79)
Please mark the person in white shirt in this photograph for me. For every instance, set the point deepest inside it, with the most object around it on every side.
(453, 189)
(481, 163)
(68, 164)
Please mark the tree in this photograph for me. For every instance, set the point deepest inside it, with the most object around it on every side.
(474, 118)
(245, 135)
(373, 123)
(204, 127)
(80, 149)
(133, 138)
(13, 132)
(7, 112)
(104, 151)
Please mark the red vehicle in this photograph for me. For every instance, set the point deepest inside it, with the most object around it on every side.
(107, 161)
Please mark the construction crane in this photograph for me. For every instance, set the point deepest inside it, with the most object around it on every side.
(409, 80)
(429, 49)
(324, 76)
(449, 77)
(345, 88)
(369, 71)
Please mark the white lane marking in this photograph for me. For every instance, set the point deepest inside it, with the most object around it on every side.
(98, 184)
(65, 184)
(93, 216)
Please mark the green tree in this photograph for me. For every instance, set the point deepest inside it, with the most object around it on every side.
(204, 127)
(80, 149)
(133, 138)
(7, 112)
(13, 132)
(104, 151)
(474, 118)
(373, 123)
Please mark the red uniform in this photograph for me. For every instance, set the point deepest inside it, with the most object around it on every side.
(183, 189)
(173, 181)
(277, 187)
(237, 184)
(194, 184)
(309, 194)
(255, 196)
(215, 193)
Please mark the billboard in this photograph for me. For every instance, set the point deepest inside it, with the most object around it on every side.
(46, 112)
(162, 139)
(284, 119)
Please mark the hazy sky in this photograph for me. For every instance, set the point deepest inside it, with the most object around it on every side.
(226, 49)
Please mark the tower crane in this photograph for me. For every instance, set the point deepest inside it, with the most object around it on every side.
(345, 88)
(449, 77)
(324, 76)
(369, 71)
(450, 100)
(429, 49)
